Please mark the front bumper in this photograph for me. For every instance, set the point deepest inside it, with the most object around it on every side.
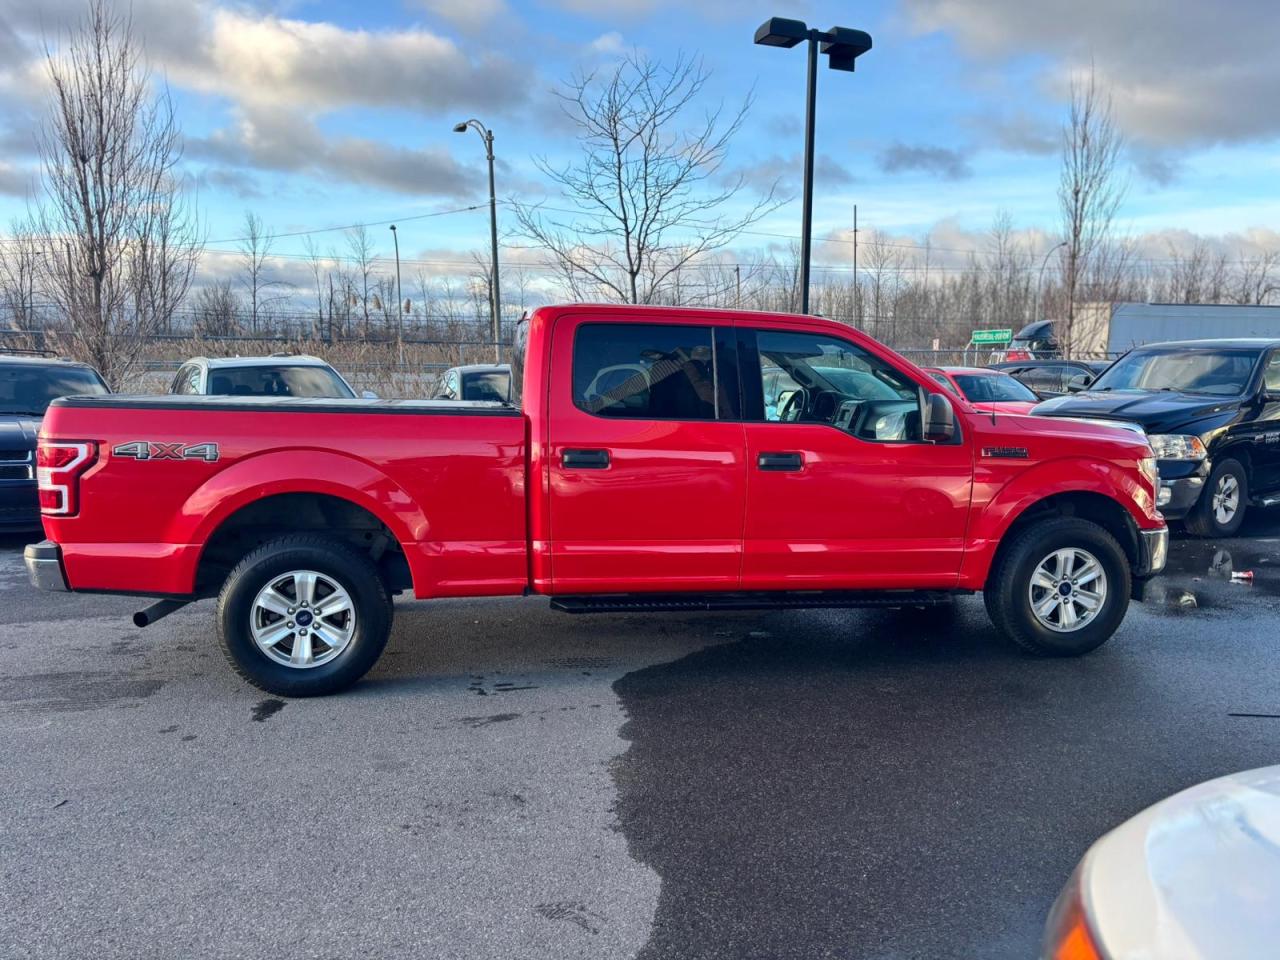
(1181, 483)
(1153, 552)
(44, 566)
(19, 506)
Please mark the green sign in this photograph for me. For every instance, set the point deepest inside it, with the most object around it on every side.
(991, 336)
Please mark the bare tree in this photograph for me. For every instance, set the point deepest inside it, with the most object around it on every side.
(216, 310)
(360, 247)
(20, 262)
(1090, 191)
(119, 241)
(649, 189)
(261, 289)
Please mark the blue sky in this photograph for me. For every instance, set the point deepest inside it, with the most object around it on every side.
(317, 114)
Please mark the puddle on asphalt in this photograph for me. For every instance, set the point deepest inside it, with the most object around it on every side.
(1203, 575)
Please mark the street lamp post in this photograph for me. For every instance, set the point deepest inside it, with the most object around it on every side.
(842, 47)
(495, 298)
(399, 294)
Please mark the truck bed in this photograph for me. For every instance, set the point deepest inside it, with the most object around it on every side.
(445, 479)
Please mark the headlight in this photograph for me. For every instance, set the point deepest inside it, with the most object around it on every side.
(1174, 446)
(1147, 467)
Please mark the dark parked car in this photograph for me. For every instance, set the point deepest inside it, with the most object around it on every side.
(479, 381)
(1051, 378)
(27, 386)
(1211, 409)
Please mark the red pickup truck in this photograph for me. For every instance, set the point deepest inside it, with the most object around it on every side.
(656, 459)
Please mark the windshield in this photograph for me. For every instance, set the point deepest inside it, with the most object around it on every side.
(277, 382)
(30, 389)
(1217, 373)
(986, 388)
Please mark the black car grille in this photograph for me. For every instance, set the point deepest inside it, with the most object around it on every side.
(17, 465)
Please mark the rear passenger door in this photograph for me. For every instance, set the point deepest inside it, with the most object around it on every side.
(646, 459)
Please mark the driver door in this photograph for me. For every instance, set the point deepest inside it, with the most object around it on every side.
(841, 491)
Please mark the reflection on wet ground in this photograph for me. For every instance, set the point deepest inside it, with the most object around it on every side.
(1216, 574)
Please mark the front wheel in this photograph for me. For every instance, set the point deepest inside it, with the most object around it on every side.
(303, 616)
(1221, 507)
(1060, 588)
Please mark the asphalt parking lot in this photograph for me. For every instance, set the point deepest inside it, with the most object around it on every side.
(513, 782)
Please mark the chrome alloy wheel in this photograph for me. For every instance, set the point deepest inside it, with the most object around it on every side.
(302, 619)
(1226, 499)
(1068, 589)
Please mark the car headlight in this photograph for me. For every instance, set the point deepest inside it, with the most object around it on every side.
(1176, 446)
(1147, 467)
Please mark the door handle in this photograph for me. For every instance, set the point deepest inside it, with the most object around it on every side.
(780, 461)
(585, 459)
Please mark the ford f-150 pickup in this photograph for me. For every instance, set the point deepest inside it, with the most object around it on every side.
(638, 469)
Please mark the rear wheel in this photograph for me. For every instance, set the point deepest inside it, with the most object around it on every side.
(1221, 507)
(303, 616)
(1060, 588)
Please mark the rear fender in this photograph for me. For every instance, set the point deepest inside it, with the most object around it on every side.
(303, 471)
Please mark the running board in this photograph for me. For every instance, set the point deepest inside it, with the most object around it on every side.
(797, 600)
(1266, 501)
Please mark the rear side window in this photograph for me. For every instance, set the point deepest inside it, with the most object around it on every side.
(645, 371)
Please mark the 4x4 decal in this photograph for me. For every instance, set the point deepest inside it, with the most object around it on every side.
(157, 450)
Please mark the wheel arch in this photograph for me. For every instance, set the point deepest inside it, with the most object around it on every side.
(1060, 488)
(300, 491)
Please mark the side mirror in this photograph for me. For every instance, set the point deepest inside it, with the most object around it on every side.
(368, 395)
(939, 419)
(1079, 382)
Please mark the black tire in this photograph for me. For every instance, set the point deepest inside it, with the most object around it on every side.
(1203, 518)
(333, 559)
(1008, 591)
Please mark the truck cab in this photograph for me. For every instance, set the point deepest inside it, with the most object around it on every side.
(639, 468)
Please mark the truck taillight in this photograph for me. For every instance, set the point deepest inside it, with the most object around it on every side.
(59, 465)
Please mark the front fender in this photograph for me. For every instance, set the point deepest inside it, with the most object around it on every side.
(1006, 501)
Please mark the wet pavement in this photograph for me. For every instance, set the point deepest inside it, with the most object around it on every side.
(512, 782)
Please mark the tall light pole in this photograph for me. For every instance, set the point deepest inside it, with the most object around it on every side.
(842, 46)
(495, 299)
(399, 295)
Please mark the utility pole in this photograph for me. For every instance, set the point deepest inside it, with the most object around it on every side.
(737, 284)
(857, 301)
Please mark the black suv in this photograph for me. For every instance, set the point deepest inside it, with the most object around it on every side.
(1211, 409)
(27, 385)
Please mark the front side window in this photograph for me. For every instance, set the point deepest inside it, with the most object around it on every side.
(645, 371)
(839, 384)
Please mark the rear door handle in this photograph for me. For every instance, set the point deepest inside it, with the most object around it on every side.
(780, 461)
(585, 459)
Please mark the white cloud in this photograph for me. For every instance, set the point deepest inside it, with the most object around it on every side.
(1181, 71)
(322, 67)
(285, 140)
(467, 15)
(608, 43)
